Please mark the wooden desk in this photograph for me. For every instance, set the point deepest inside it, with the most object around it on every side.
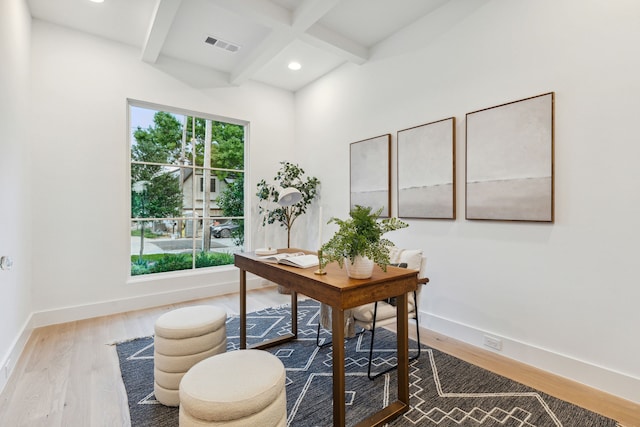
(341, 293)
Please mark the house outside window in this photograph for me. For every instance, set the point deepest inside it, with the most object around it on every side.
(212, 185)
(177, 222)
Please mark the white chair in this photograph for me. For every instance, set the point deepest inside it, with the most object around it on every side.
(382, 313)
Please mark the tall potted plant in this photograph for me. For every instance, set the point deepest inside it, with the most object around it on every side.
(289, 175)
(359, 244)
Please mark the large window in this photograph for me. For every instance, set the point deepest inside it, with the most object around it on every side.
(187, 190)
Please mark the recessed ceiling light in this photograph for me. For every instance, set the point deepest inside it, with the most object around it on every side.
(295, 66)
(97, 1)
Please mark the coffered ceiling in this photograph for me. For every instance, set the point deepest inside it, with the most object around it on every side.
(241, 40)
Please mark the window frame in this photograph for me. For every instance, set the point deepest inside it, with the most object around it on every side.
(195, 196)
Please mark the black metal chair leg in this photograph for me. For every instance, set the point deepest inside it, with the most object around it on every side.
(373, 377)
(318, 334)
(415, 302)
(373, 334)
(324, 344)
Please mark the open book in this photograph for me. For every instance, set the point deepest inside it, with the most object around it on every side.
(295, 259)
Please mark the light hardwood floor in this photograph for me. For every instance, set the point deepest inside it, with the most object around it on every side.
(68, 374)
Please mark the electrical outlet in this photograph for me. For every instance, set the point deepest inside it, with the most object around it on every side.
(493, 342)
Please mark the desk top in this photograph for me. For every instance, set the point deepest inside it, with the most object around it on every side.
(334, 288)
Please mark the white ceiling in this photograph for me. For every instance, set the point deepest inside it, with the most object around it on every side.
(320, 34)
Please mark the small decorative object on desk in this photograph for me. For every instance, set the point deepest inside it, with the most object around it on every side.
(266, 251)
(321, 263)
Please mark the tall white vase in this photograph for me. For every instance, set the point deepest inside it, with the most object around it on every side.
(362, 267)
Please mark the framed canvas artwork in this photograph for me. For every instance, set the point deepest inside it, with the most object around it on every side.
(370, 173)
(510, 162)
(426, 171)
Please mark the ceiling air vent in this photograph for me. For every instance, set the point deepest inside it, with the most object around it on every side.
(214, 41)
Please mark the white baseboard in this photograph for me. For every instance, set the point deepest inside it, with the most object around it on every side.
(17, 346)
(139, 302)
(601, 378)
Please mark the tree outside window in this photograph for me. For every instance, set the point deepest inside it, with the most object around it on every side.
(173, 216)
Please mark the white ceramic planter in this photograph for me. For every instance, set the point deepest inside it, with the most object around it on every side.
(362, 267)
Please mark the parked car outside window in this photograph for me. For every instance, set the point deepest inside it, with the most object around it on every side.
(223, 230)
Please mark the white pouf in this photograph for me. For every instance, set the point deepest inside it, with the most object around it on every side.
(190, 322)
(191, 345)
(239, 388)
(182, 363)
(168, 397)
(184, 337)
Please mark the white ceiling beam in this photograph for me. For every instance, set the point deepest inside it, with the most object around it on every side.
(270, 15)
(159, 28)
(261, 55)
(262, 12)
(286, 28)
(311, 11)
(328, 40)
(305, 22)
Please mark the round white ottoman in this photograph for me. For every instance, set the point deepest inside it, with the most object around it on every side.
(238, 388)
(184, 337)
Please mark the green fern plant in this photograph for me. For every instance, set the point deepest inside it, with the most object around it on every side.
(361, 234)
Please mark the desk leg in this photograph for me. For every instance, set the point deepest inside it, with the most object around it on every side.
(337, 322)
(243, 319)
(403, 349)
(243, 309)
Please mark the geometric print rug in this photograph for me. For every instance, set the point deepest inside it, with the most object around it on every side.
(444, 391)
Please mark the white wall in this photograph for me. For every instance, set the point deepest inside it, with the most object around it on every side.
(80, 195)
(562, 296)
(15, 284)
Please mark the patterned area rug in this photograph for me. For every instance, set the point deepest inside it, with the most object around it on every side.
(445, 391)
